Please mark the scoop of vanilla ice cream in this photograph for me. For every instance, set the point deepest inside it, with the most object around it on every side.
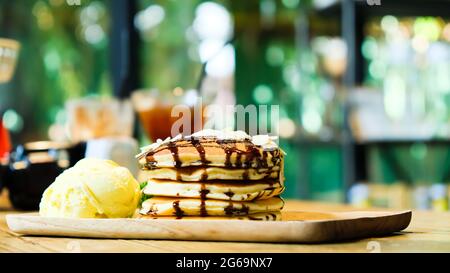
(93, 188)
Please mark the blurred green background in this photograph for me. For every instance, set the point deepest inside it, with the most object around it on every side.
(387, 125)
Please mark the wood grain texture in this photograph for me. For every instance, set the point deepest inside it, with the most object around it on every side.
(427, 232)
(299, 227)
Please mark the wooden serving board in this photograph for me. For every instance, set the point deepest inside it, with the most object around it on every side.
(296, 227)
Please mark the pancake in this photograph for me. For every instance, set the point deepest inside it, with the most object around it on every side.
(211, 152)
(263, 216)
(179, 207)
(212, 173)
(215, 190)
(220, 174)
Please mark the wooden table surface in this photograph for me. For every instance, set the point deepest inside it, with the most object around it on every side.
(428, 232)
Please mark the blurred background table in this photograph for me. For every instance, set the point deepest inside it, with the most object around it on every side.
(428, 232)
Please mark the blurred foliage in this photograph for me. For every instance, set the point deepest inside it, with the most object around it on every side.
(417, 163)
(57, 60)
(408, 58)
(165, 61)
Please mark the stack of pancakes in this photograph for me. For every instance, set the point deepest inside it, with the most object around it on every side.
(213, 173)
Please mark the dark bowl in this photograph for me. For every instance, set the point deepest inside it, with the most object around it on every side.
(32, 167)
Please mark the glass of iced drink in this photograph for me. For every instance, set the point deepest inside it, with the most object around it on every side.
(157, 114)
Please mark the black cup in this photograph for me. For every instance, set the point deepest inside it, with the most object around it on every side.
(33, 167)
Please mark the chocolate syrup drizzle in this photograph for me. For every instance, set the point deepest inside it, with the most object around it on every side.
(231, 210)
(179, 213)
(174, 151)
(270, 216)
(252, 153)
(176, 157)
(264, 160)
(238, 163)
(203, 193)
(200, 149)
(230, 194)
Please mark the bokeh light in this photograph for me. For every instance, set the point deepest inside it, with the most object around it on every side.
(274, 55)
(286, 128)
(311, 121)
(209, 48)
(52, 60)
(149, 18)
(223, 64)
(213, 27)
(12, 121)
(291, 76)
(262, 94)
(389, 23)
(92, 31)
(369, 48)
(427, 27)
(43, 15)
(212, 21)
(178, 91)
(418, 151)
(395, 96)
(94, 34)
